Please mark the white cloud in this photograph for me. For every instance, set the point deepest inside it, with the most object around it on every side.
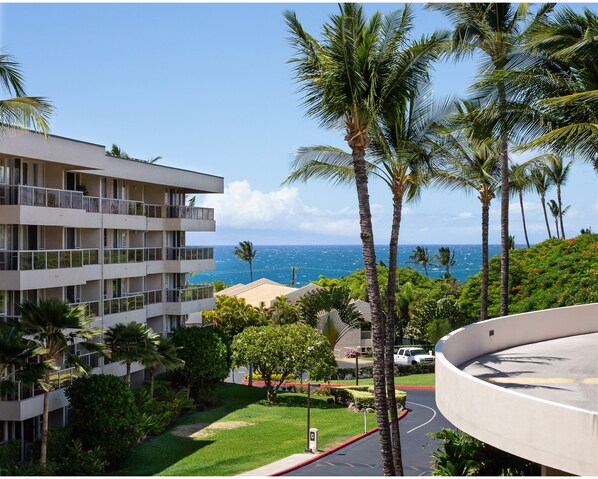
(241, 206)
(464, 215)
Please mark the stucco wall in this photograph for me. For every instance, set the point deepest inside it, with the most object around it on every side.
(549, 433)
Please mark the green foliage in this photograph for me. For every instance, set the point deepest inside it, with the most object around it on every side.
(551, 274)
(463, 455)
(79, 461)
(283, 350)
(158, 412)
(275, 377)
(232, 315)
(219, 285)
(206, 361)
(10, 453)
(283, 311)
(361, 396)
(104, 415)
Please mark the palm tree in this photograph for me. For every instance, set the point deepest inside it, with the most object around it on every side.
(166, 356)
(246, 252)
(53, 325)
(421, 256)
(16, 352)
(332, 310)
(348, 79)
(401, 158)
(557, 173)
(567, 75)
(405, 301)
(472, 164)
(541, 183)
(131, 342)
(445, 258)
(557, 213)
(117, 151)
(497, 30)
(520, 181)
(21, 111)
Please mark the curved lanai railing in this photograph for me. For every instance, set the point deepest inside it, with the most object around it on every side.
(549, 433)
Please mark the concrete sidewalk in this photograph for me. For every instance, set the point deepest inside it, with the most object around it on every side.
(280, 465)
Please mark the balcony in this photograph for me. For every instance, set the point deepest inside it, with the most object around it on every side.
(22, 195)
(184, 218)
(122, 207)
(92, 308)
(124, 309)
(189, 300)
(191, 253)
(189, 213)
(28, 260)
(153, 211)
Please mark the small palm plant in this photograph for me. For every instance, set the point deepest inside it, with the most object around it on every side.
(165, 355)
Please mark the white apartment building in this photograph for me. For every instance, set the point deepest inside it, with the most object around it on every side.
(80, 225)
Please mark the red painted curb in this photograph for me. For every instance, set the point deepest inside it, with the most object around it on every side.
(330, 451)
(261, 383)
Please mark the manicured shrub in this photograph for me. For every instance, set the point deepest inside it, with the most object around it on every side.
(418, 368)
(275, 377)
(361, 396)
(206, 362)
(104, 415)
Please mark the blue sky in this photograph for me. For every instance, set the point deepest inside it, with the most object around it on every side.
(208, 87)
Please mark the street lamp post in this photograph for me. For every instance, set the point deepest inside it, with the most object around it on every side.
(309, 385)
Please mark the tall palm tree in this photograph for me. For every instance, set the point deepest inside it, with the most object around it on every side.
(557, 173)
(445, 258)
(541, 183)
(131, 342)
(21, 111)
(400, 154)
(53, 325)
(472, 164)
(246, 252)
(166, 356)
(497, 30)
(348, 79)
(421, 255)
(521, 182)
(565, 83)
(556, 213)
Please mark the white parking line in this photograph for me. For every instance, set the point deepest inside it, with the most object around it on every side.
(427, 422)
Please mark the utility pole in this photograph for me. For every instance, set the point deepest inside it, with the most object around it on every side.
(293, 269)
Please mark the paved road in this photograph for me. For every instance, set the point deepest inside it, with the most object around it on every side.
(362, 458)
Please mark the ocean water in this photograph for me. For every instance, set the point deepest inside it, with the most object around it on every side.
(276, 262)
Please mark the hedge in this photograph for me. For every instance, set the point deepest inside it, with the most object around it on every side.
(361, 396)
(402, 370)
(275, 377)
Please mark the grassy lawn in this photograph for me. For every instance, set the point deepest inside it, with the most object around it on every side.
(411, 380)
(274, 432)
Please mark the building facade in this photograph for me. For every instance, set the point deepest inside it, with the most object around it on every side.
(83, 226)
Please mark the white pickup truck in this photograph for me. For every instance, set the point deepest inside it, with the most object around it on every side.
(412, 356)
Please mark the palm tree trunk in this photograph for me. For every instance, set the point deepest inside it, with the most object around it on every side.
(558, 194)
(128, 376)
(152, 381)
(556, 222)
(425, 265)
(250, 272)
(484, 294)
(523, 218)
(543, 199)
(373, 290)
(391, 291)
(44, 442)
(504, 220)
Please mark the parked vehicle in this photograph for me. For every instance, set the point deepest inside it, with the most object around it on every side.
(412, 356)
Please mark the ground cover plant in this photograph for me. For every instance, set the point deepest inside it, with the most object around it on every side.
(220, 446)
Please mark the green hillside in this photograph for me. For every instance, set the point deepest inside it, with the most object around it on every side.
(551, 274)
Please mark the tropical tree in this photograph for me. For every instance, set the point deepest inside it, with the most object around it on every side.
(332, 311)
(348, 79)
(166, 356)
(405, 302)
(21, 111)
(471, 164)
(54, 325)
(564, 83)
(401, 158)
(521, 182)
(557, 213)
(541, 184)
(421, 255)
(16, 352)
(497, 31)
(132, 342)
(557, 173)
(246, 252)
(116, 150)
(446, 258)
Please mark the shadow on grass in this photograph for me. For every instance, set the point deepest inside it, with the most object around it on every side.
(158, 453)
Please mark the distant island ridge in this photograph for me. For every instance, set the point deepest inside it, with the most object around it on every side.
(275, 262)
